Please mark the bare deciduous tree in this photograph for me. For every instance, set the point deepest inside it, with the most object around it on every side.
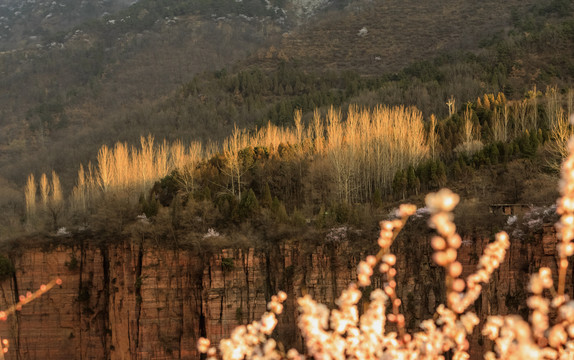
(30, 196)
(44, 191)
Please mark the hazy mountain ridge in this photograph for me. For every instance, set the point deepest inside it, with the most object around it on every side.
(27, 23)
(36, 23)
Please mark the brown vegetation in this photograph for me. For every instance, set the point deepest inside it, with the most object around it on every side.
(364, 152)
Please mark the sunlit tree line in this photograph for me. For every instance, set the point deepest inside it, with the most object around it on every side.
(51, 198)
(120, 171)
(538, 111)
(369, 147)
(130, 171)
(349, 156)
(364, 151)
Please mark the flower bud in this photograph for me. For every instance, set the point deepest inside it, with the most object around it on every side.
(455, 269)
(438, 243)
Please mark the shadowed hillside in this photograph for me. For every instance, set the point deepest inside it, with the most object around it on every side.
(382, 36)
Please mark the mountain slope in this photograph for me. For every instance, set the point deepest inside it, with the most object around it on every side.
(26, 23)
(114, 80)
(370, 37)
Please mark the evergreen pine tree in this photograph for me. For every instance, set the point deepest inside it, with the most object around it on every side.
(278, 210)
(248, 205)
(441, 173)
(494, 154)
(267, 199)
(534, 141)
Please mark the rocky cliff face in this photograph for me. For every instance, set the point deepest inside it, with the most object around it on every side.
(141, 301)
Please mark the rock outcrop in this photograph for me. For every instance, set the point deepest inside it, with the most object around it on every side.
(139, 300)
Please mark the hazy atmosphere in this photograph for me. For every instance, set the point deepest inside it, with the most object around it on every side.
(173, 171)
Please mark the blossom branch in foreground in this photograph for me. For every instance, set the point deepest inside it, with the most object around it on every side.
(457, 327)
(446, 245)
(251, 341)
(23, 300)
(341, 333)
(565, 207)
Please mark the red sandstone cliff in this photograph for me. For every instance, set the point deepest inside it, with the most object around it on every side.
(133, 301)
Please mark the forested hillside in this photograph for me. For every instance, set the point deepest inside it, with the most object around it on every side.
(347, 167)
(495, 78)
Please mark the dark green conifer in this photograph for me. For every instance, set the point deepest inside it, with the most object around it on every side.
(248, 205)
(267, 199)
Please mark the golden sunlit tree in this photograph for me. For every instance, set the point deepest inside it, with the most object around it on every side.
(57, 198)
(532, 97)
(451, 106)
(500, 124)
(560, 127)
(272, 136)
(553, 107)
(470, 139)
(161, 161)
(80, 192)
(44, 191)
(519, 110)
(336, 149)
(318, 132)
(432, 137)
(233, 166)
(186, 161)
(120, 167)
(145, 161)
(30, 196)
(105, 169)
(56, 201)
(468, 127)
(299, 130)
(505, 121)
